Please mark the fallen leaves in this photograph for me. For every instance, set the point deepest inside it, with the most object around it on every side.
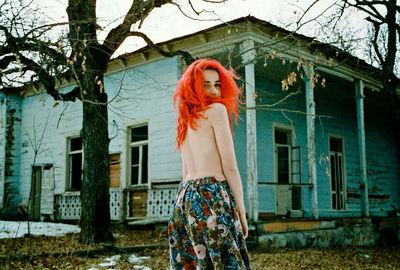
(261, 258)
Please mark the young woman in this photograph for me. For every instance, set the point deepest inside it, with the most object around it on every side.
(207, 225)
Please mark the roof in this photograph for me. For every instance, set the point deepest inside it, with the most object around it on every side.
(339, 54)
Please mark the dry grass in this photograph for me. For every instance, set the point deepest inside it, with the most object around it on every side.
(32, 248)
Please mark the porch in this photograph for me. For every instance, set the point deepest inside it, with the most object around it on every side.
(130, 205)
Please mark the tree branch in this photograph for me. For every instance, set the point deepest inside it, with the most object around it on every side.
(359, 6)
(137, 12)
(377, 26)
(48, 80)
(18, 44)
(186, 56)
(5, 61)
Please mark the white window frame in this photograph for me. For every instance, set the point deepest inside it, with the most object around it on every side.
(68, 137)
(139, 144)
(290, 130)
(344, 179)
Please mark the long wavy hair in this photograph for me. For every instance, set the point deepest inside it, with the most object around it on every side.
(192, 99)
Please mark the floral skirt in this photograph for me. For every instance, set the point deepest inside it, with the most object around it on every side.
(204, 228)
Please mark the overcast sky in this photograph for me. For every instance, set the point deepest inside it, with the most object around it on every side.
(168, 22)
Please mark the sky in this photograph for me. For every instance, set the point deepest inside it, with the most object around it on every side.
(168, 21)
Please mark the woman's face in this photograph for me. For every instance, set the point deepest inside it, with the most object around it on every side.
(212, 85)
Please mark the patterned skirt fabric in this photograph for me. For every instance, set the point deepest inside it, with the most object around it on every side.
(204, 228)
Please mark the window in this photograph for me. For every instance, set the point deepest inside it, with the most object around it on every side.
(288, 163)
(74, 163)
(138, 155)
(337, 173)
(282, 156)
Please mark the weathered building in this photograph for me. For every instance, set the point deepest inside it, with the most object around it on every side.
(315, 145)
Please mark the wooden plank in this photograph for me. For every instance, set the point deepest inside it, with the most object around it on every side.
(138, 203)
(115, 169)
(292, 226)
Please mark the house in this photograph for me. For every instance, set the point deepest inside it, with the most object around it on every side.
(315, 145)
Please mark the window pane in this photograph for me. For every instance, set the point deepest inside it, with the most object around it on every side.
(335, 145)
(76, 144)
(281, 137)
(340, 201)
(333, 172)
(296, 198)
(134, 174)
(76, 171)
(339, 176)
(144, 164)
(283, 164)
(139, 134)
(334, 201)
(283, 178)
(135, 156)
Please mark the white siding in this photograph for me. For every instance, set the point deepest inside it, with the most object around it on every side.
(145, 93)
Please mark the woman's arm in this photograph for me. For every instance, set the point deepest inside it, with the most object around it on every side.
(218, 116)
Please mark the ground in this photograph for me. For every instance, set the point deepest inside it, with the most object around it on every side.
(58, 252)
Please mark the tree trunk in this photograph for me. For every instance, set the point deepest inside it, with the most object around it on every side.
(95, 215)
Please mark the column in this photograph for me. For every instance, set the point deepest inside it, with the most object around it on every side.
(310, 104)
(361, 148)
(251, 131)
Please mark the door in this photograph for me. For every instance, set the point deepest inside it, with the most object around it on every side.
(282, 171)
(337, 173)
(35, 195)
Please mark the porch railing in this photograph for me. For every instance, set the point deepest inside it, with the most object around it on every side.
(68, 206)
(160, 200)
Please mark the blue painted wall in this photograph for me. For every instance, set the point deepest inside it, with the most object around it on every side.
(144, 93)
(12, 156)
(336, 116)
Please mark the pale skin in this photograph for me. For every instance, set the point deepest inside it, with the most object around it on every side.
(209, 150)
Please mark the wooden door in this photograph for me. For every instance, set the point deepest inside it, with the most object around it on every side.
(35, 195)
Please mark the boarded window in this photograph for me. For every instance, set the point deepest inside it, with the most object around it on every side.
(137, 206)
(115, 167)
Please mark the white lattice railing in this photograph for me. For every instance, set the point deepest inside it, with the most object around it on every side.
(69, 205)
(160, 200)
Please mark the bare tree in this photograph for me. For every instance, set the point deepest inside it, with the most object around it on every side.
(379, 46)
(33, 55)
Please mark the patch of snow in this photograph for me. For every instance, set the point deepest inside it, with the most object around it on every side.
(118, 235)
(93, 268)
(114, 258)
(136, 260)
(15, 229)
(108, 264)
(141, 267)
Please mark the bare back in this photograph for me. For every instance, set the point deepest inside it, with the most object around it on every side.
(200, 156)
(208, 150)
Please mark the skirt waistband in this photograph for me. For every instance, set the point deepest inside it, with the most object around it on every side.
(207, 179)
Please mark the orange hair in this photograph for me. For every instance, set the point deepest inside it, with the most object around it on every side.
(192, 99)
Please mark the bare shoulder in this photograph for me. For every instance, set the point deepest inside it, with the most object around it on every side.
(217, 113)
(216, 109)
